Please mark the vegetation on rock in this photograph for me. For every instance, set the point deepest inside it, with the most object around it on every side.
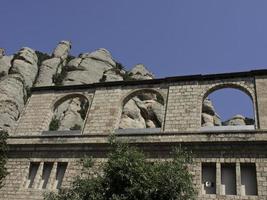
(76, 127)
(42, 57)
(54, 124)
(128, 175)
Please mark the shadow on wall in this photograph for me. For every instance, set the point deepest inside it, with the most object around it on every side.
(234, 109)
(69, 114)
(141, 110)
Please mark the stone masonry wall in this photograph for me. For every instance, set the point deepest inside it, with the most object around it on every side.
(183, 105)
(15, 187)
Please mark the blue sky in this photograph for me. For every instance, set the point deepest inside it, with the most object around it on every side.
(171, 37)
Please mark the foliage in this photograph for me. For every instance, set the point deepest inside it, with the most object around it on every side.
(42, 57)
(59, 77)
(69, 58)
(127, 175)
(119, 66)
(76, 127)
(84, 107)
(3, 157)
(128, 77)
(54, 124)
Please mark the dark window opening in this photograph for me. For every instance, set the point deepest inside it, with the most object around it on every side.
(32, 173)
(228, 179)
(61, 169)
(248, 179)
(209, 178)
(47, 168)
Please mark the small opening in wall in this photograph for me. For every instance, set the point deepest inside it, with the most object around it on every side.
(228, 179)
(32, 173)
(208, 178)
(248, 179)
(46, 173)
(61, 169)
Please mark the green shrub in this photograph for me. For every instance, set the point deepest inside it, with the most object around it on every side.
(59, 77)
(127, 175)
(54, 124)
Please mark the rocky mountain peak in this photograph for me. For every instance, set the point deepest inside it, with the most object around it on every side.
(140, 72)
(28, 68)
(62, 49)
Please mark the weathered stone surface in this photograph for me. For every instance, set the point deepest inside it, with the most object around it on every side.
(139, 72)
(25, 63)
(5, 65)
(112, 75)
(90, 68)
(102, 55)
(68, 114)
(237, 120)
(2, 52)
(11, 100)
(217, 120)
(207, 120)
(62, 50)
(207, 107)
(131, 116)
(139, 113)
(47, 70)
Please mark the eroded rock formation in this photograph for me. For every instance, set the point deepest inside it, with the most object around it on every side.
(51, 67)
(142, 111)
(211, 118)
(28, 68)
(70, 114)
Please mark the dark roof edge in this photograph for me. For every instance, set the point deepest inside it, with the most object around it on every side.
(196, 77)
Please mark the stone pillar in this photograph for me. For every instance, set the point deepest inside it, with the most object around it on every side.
(218, 178)
(261, 98)
(238, 179)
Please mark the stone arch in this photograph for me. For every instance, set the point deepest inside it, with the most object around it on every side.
(239, 86)
(131, 94)
(142, 108)
(61, 99)
(69, 112)
(230, 85)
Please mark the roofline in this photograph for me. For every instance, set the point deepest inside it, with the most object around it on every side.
(196, 77)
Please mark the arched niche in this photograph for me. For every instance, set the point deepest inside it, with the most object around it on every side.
(69, 113)
(142, 109)
(236, 94)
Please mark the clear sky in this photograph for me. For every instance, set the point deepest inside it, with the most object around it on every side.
(171, 37)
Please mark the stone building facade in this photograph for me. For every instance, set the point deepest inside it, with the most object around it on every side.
(228, 163)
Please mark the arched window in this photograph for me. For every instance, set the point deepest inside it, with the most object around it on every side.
(69, 113)
(229, 107)
(142, 109)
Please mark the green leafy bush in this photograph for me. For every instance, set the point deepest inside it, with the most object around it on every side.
(54, 124)
(127, 175)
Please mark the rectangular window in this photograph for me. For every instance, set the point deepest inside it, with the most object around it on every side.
(248, 179)
(228, 179)
(32, 173)
(46, 173)
(61, 169)
(209, 178)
